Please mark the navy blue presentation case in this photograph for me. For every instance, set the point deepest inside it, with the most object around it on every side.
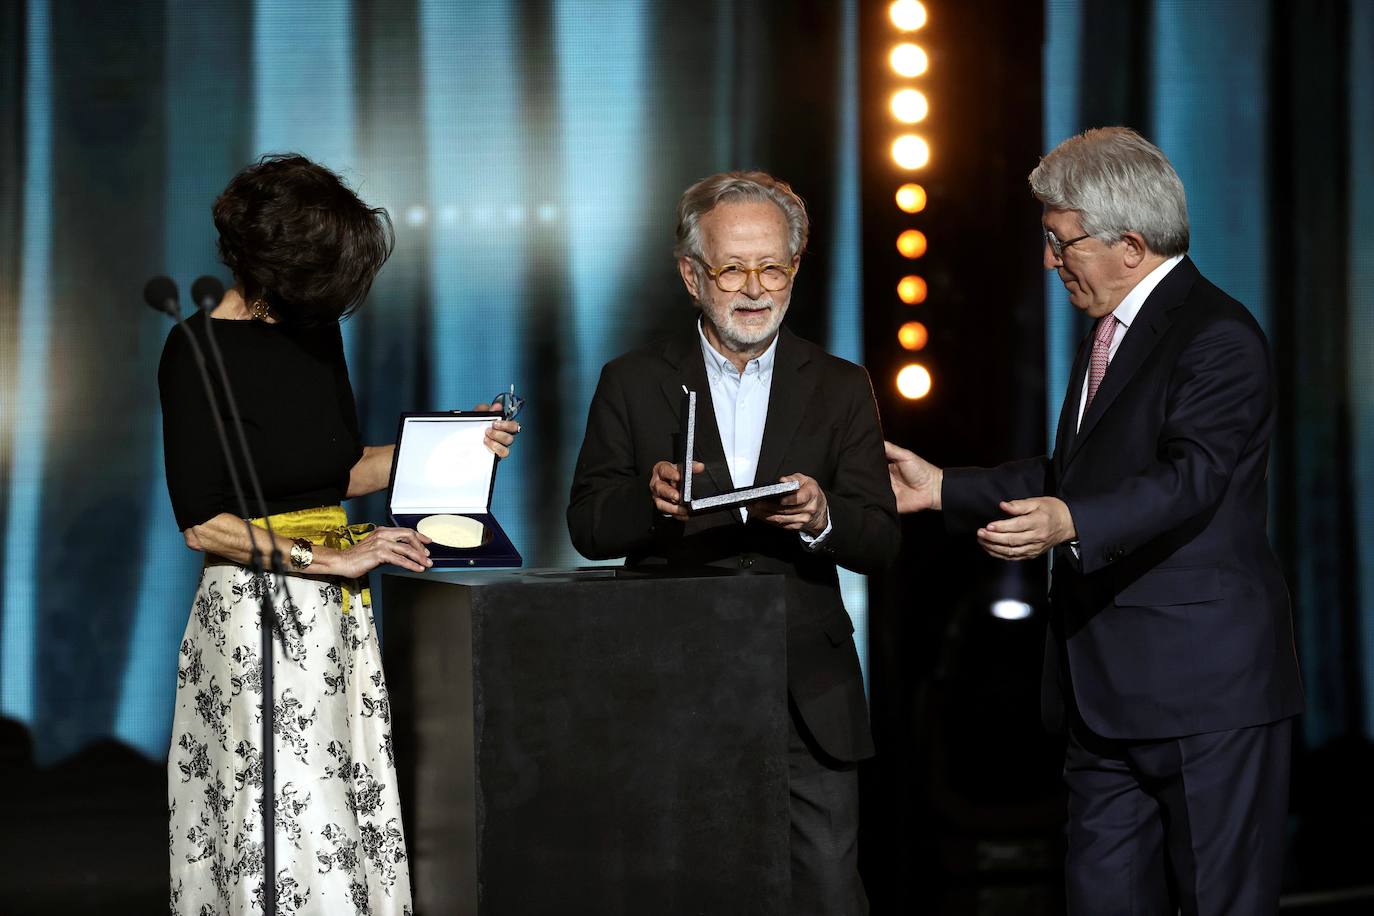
(443, 467)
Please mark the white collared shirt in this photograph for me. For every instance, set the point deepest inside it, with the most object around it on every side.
(1125, 315)
(741, 403)
(740, 400)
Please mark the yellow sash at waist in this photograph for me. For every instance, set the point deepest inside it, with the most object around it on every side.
(326, 526)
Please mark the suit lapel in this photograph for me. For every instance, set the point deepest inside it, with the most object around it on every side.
(1150, 323)
(683, 353)
(794, 377)
(1066, 432)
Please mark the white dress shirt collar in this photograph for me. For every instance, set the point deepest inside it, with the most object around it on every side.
(1130, 306)
(1125, 315)
(715, 361)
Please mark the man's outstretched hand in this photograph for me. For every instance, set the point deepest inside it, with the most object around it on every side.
(1032, 527)
(915, 482)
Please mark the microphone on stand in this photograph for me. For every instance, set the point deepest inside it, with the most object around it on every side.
(160, 293)
(206, 293)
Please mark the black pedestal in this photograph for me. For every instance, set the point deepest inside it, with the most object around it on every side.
(602, 741)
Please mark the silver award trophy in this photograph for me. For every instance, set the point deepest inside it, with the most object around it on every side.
(730, 498)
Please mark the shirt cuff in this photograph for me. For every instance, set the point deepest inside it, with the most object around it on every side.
(814, 543)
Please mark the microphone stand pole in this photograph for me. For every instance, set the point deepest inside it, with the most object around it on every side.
(268, 622)
(266, 609)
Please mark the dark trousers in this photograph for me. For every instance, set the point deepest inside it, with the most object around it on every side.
(1192, 825)
(824, 803)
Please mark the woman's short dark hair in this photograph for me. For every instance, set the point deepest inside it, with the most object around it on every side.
(294, 234)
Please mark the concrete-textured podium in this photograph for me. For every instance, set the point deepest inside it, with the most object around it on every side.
(603, 741)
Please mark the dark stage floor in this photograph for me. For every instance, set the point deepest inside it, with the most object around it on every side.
(88, 836)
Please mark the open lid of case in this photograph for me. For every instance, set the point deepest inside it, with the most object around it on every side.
(442, 464)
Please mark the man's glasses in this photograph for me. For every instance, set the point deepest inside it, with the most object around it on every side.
(1058, 247)
(731, 278)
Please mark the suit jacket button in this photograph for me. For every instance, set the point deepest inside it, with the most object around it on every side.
(746, 562)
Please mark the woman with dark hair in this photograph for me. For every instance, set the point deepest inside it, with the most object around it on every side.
(304, 251)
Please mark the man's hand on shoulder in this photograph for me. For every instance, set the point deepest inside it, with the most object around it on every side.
(665, 488)
(915, 482)
(1032, 527)
(803, 510)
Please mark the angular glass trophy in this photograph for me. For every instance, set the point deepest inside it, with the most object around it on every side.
(731, 498)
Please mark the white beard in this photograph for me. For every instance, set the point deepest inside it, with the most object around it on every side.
(739, 333)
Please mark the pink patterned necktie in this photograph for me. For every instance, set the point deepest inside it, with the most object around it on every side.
(1102, 348)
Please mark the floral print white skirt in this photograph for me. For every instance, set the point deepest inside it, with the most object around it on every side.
(340, 849)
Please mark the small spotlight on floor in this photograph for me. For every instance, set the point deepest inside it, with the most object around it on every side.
(1007, 609)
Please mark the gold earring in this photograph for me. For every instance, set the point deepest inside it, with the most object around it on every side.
(258, 309)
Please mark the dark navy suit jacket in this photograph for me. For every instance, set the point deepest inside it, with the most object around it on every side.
(822, 422)
(1173, 619)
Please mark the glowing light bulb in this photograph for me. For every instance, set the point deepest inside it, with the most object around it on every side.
(911, 198)
(914, 381)
(912, 243)
(910, 106)
(913, 335)
(911, 289)
(910, 151)
(909, 59)
(907, 15)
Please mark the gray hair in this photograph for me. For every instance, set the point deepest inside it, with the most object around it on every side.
(1118, 182)
(702, 197)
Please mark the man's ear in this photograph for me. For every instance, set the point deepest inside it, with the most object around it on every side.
(1136, 249)
(796, 266)
(688, 270)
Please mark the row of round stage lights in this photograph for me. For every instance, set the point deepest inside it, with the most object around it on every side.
(911, 153)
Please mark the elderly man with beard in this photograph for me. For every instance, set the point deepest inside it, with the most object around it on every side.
(771, 407)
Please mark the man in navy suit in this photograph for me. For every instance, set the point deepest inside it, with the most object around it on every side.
(1169, 661)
